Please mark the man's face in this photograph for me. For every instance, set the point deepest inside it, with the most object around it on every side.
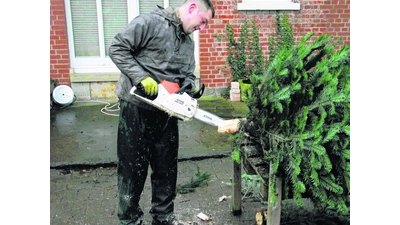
(198, 18)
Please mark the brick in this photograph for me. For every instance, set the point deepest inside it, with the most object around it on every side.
(235, 99)
(235, 85)
(235, 91)
(234, 94)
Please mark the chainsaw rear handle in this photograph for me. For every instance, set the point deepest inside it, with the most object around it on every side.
(139, 90)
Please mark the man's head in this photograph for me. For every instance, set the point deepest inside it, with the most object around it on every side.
(195, 14)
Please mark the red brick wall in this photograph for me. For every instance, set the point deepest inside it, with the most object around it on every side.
(59, 55)
(321, 16)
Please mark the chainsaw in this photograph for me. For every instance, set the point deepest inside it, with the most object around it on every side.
(176, 102)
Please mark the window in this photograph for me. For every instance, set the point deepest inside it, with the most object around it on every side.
(269, 5)
(92, 24)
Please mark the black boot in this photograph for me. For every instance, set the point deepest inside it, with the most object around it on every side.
(172, 221)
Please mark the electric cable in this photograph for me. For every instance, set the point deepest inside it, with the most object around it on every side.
(108, 109)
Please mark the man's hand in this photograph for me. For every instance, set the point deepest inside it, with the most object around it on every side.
(198, 92)
(188, 85)
(192, 90)
(150, 86)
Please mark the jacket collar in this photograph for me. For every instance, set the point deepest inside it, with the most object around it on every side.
(172, 15)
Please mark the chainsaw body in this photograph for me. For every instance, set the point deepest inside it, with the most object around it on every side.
(170, 100)
(173, 100)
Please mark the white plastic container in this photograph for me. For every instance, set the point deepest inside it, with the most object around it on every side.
(63, 95)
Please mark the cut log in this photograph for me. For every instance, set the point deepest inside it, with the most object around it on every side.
(229, 126)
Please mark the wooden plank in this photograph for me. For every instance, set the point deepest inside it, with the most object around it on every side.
(274, 210)
(237, 189)
(261, 169)
(251, 151)
(253, 161)
(248, 168)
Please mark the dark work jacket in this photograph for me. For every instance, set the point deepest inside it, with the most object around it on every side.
(152, 45)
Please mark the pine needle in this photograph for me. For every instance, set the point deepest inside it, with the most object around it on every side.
(201, 179)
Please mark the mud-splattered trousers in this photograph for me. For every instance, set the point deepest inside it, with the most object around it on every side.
(146, 138)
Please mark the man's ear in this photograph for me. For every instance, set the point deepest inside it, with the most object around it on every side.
(192, 8)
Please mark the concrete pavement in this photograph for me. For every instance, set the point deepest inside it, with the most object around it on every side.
(83, 182)
(85, 133)
(89, 196)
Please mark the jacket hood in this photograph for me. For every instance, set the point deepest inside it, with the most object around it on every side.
(168, 13)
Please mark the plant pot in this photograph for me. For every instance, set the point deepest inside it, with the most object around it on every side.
(245, 89)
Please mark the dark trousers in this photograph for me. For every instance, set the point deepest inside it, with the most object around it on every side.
(146, 138)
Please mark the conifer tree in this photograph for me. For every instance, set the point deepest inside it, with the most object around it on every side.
(300, 116)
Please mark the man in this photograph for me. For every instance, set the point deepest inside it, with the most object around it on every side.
(153, 47)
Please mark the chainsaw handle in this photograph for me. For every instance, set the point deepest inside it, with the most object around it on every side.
(188, 85)
(138, 90)
(132, 91)
(183, 88)
(200, 92)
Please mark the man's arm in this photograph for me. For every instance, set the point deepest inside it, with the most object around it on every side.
(124, 45)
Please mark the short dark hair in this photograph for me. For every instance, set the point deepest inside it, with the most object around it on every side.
(207, 3)
(209, 6)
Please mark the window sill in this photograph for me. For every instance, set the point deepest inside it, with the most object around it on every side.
(82, 76)
(268, 5)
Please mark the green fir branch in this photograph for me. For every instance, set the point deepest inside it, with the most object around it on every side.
(200, 179)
